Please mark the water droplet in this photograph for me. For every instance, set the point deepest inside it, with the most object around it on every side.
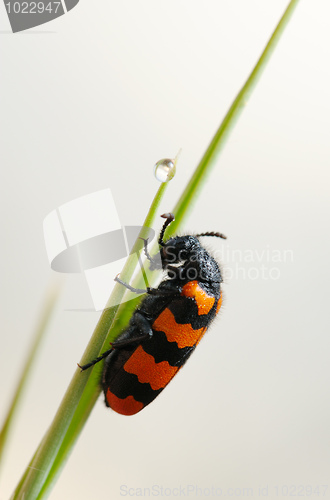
(164, 170)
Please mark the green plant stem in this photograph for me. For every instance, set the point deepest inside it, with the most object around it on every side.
(84, 388)
(210, 156)
(46, 314)
(82, 392)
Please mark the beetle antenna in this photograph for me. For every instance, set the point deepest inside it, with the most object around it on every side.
(212, 233)
(169, 218)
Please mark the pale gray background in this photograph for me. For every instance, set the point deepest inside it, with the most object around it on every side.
(93, 100)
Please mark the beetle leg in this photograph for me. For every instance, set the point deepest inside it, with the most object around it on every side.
(154, 262)
(143, 325)
(132, 289)
(96, 360)
(146, 252)
(150, 291)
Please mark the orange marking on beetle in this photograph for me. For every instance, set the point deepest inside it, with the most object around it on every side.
(203, 300)
(127, 406)
(143, 365)
(183, 335)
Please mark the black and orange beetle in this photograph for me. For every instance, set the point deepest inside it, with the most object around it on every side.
(167, 325)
